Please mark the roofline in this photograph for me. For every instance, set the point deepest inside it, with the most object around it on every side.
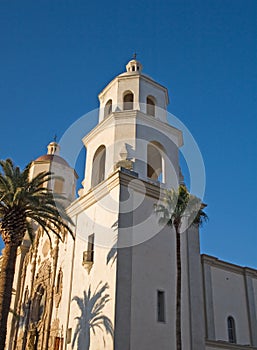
(216, 262)
(34, 162)
(131, 76)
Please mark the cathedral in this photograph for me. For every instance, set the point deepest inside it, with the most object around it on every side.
(113, 286)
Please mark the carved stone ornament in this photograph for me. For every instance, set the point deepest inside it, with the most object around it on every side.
(125, 161)
(127, 164)
(87, 261)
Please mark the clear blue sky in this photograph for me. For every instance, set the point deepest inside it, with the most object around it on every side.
(56, 56)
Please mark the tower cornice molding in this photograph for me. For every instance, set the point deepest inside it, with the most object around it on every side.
(131, 117)
(215, 262)
(120, 177)
(130, 76)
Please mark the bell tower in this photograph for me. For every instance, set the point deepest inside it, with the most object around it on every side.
(133, 131)
(132, 157)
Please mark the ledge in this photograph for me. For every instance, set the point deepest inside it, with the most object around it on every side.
(220, 344)
(242, 270)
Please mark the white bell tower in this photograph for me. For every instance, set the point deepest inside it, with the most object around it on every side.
(132, 155)
(133, 131)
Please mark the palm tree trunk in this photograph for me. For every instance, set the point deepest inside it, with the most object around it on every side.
(6, 282)
(178, 292)
(33, 271)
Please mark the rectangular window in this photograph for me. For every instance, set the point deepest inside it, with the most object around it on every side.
(69, 333)
(160, 306)
(90, 248)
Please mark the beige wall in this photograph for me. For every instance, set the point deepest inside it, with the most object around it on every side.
(228, 292)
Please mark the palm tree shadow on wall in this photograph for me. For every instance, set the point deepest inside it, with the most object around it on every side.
(91, 318)
(112, 254)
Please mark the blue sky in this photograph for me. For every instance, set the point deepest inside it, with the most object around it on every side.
(56, 56)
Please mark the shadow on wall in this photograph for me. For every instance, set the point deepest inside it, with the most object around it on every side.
(91, 307)
(112, 254)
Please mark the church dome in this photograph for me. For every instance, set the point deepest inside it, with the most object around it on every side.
(50, 158)
(52, 155)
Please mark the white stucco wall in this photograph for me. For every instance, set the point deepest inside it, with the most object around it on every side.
(95, 217)
(228, 294)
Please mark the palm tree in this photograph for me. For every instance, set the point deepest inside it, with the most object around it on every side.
(92, 317)
(180, 210)
(24, 202)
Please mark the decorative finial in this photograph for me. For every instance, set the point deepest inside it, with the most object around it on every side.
(53, 147)
(134, 65)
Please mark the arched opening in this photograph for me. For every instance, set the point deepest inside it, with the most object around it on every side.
(231, 330)
(128, 101)
(150, 106)
(98, 167)
(155, 162)
(108, 108)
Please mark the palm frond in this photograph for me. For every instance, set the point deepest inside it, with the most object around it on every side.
(178, 206)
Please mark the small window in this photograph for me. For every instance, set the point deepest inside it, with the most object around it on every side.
(108, 108)
(89, 253)
(150, 106)
(69, 334)
(128, 101)
(231, 330)
(160, 306)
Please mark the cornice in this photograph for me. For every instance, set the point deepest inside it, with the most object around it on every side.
(120, 177)
(242, 270)
(219, 344)
(94, 194)
(127, 76)
(36, 162)
(159, 125)
(109, 121)
(131, 117)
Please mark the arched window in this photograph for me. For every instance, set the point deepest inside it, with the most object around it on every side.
(231, 330)
(108, 108)
(155, 162)
(150, 106)
(128, 100)
(98, 168)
